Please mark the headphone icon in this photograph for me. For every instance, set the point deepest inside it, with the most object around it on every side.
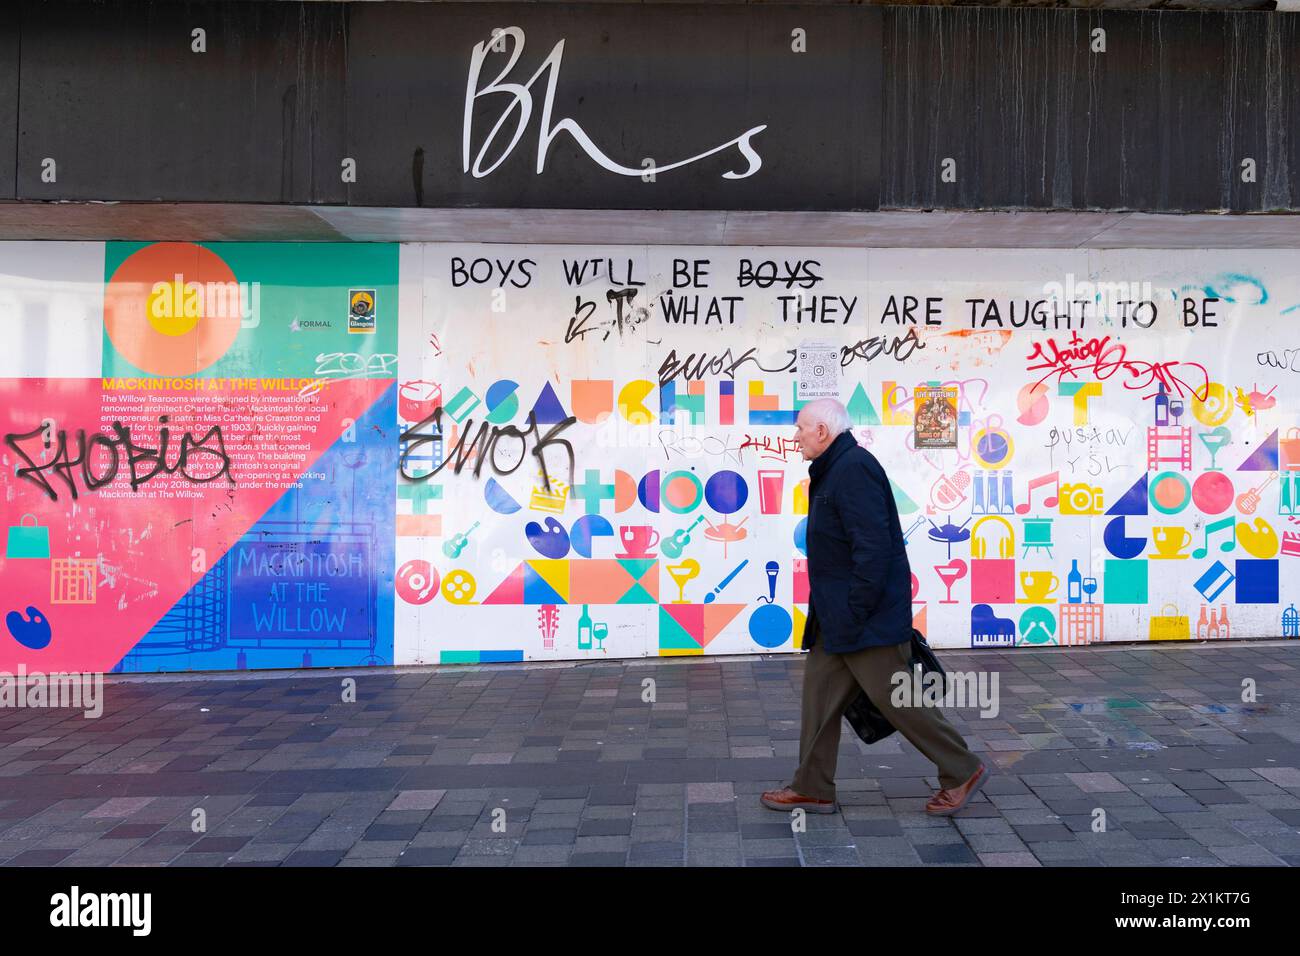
(1006, 542)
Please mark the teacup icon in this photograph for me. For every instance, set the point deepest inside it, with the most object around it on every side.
(638, 540)
(1039, 586)
(1170, 540)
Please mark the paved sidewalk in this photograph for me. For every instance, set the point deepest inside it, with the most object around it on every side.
(578, 770)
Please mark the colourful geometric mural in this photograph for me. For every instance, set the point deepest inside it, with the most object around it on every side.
(208, 490)
(242, 455)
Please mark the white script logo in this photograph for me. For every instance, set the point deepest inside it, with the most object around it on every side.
(522, 98)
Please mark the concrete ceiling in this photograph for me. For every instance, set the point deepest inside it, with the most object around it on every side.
(215, 222)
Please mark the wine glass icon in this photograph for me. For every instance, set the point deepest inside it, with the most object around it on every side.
(682, 573)
(1090, 588)
(950, 574)
(600, 632)
(1176, 409)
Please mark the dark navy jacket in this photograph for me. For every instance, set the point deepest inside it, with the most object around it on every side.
(859, 580)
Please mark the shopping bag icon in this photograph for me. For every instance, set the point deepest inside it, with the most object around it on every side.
(1290, 450)
(1169, 625)
(28, 540)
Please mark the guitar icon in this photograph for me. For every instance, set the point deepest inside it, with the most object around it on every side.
(675, 545)
(1248, 501)
(456, 545)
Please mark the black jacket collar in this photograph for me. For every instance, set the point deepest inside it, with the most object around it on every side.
(822, 463)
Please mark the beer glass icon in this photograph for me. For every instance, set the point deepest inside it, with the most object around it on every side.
(770, 485)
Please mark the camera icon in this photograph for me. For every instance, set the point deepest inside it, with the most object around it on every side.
(1081, 499)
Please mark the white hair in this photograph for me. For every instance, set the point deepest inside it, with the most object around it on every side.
(832, 412)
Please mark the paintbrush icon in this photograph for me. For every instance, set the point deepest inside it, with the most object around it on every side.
(709, 598)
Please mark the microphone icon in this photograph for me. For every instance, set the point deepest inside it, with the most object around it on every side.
(773, 569)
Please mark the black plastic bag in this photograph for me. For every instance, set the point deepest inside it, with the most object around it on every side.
(867, 721)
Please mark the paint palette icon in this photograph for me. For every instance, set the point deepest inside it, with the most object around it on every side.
(32, 631)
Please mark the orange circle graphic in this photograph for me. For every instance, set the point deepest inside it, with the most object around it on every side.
(172, 308)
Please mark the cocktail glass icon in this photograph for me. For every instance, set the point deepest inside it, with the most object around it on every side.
(681, 573)
(1213, 440)
(950, 574)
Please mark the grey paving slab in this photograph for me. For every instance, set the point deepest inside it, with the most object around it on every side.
(520, 765)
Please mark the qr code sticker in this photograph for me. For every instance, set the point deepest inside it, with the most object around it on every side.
(819, 372)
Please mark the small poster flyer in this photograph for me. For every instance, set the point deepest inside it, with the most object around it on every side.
(936, 416)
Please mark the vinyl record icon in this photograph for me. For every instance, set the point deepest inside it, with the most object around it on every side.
(417, 582)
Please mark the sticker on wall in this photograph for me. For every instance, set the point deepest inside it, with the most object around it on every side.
(361, 311)
(819, 370)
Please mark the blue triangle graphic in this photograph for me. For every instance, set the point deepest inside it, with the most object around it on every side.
(547, 410)
(1263, 458)
(537, 591)
(342, 520)
(1133, 502)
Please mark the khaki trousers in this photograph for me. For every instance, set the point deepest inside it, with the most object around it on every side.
(831, 681)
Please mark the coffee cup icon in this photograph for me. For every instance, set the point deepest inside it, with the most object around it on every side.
(1170, 540)
(638, 539)
(1039, 586)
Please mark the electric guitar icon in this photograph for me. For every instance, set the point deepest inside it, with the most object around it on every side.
(456, 545)
(675, 545)
(1248, 501)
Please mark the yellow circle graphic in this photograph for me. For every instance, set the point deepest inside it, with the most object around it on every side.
(172, 308)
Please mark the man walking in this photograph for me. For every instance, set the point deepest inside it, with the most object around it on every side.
(859, 620)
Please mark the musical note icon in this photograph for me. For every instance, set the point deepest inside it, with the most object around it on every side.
(1054, 479)
(1226, 524)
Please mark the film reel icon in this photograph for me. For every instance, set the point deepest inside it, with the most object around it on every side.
(458, 587)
